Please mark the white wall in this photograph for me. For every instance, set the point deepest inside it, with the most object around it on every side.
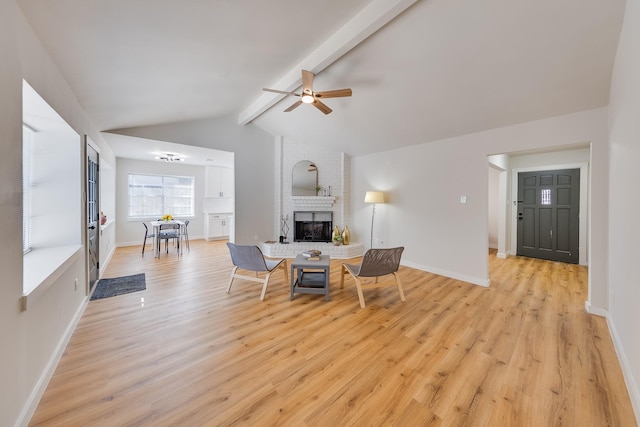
(624, 201)
(254, 153)
(494, 206)
(424, 184)
(31, 340)
(131, 232)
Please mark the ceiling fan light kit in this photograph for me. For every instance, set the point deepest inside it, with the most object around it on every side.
(308, 96)
(169, 158)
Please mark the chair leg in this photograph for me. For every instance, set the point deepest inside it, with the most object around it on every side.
(360, 294)
(342, 271)
(286, 273)
(233, 273)
(397, 277)
(144, 243)
(264, 285)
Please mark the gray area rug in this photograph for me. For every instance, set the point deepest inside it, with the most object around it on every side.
(119, 285)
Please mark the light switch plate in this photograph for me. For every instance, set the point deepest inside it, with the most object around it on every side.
(463, 199)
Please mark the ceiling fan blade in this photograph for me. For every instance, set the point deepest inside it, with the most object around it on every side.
(307, 81)
(280, 91)
(334, 93)
(321, 106)
(295, 104)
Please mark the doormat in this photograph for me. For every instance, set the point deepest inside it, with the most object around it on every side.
(119, 285)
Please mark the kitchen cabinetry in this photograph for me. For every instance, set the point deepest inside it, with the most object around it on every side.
(219, 182)
(217, 226)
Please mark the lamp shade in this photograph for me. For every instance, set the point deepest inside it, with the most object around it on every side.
(374, 197)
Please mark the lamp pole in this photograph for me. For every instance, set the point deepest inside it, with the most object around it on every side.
(373, 197)
(373, 214)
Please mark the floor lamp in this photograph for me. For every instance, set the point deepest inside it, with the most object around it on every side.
(373, 197)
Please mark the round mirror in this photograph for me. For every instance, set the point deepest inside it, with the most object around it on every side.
(305, 179)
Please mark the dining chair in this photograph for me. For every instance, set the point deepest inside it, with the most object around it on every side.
(185, 233)
(250, 257)
(167, 232)
(375, 264)
(147, 235)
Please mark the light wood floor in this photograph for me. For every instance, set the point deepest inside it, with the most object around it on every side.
(520, 353)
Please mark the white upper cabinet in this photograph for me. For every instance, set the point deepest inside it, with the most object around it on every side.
(219, 183)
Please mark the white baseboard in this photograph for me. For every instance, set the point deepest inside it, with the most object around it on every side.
(106, 262)
(632, 387)
(595, 310)
(502, 255)
(41, 385)
(149, 242)
(473, 280)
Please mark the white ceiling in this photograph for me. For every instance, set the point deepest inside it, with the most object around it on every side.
(439, 69)
(148, 149)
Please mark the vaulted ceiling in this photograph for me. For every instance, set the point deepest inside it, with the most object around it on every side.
(419, 70)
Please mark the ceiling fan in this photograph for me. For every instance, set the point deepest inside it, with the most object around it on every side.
(308, 96)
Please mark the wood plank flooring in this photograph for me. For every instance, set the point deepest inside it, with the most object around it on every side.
(520, 353)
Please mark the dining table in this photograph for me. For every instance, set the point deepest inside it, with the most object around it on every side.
(155, 225)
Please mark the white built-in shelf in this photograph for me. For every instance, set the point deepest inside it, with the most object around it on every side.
(314, 201)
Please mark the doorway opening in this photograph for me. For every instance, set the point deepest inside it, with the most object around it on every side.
(504, 186)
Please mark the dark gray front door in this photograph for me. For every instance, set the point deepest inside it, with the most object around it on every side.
(548, 214)
(93, 215)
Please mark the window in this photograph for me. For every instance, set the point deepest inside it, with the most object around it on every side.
(151, 196)
(51, 194)
(545, 196)
(27, 178)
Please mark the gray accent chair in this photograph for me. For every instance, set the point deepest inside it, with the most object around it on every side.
(250, 257)
(375, 263)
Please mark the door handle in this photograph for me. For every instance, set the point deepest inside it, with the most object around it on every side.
(92, 227)
(520, 216)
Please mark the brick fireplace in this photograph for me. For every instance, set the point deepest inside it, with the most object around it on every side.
(334, 170)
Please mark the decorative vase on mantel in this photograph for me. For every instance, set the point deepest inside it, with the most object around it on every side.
(346, 235)
(336, 233)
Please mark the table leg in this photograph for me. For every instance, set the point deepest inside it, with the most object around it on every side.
(293, 281)
(156, 242)
(326, 284)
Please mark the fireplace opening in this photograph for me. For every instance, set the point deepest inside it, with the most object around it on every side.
(312, 226)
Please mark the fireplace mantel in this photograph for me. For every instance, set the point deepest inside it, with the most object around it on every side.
(314, 201)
